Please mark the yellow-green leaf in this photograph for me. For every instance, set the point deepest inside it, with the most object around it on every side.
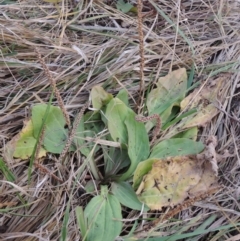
(99, 97)
(171, 89)
(168, 182)
(23, 144)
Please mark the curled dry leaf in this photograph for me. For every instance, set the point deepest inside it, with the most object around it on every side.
(210, 167)
(205, 100)
(207, 182)
(210, 153)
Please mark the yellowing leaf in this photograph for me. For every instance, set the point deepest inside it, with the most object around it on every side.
(171, 89)
(23, 143)
(210, 167)
(24, 148)
(208, 180)
(99, 97)
(27, 129)
(168, 182)
(143, 168)
(204, 100)
(164, 149)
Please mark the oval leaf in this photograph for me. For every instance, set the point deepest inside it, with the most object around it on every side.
(169, 182)
(126, 196)
(116, 114)
(123, 96)
(102, 215)
(55, 134)
(171, 86)
(138, 144)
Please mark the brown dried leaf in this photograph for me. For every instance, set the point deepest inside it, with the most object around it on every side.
(208, 180)
(210, 154)
(205, 100)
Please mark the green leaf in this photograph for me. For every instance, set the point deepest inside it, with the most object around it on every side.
(64, 230)
(138, 144)
(79, 139)
(124, 7)
(123, 96)
(81, 221)
(90, 186)
(38, 136)
(116, 114)
(126, 196)
(103, 216)
(176, 147)
(177, 119)
(143, 168)
(90, 126)
(189, 134)
(115, 159)
(6, 171)
(55, 133)
(99, 97)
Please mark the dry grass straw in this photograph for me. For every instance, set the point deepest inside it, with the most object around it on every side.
(141, 54)
(90, 42)
(53, 85)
